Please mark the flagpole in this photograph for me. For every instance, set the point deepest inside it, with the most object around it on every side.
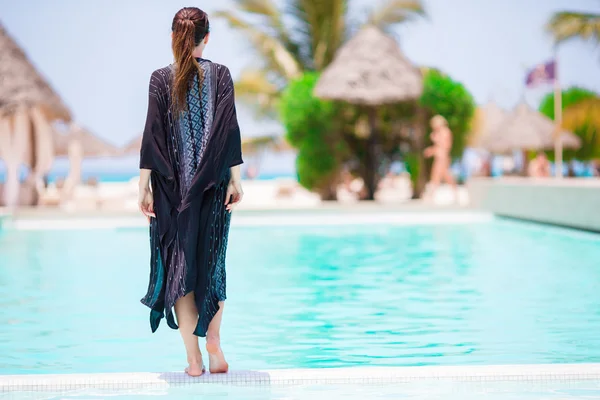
(558, 148)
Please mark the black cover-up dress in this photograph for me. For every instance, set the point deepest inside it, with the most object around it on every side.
(190, 155)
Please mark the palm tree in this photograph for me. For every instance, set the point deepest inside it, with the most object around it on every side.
(303, 35)
(567, 25)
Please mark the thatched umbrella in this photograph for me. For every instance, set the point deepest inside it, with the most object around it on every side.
(79, 143)
(370, 70)
(27, 106)
(91, 145)
(133, 146)
(21, 85)
(526, 129)
(487, 120)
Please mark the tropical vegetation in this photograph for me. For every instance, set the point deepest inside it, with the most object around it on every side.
(294, 43)
(310, 125)
(332, 136)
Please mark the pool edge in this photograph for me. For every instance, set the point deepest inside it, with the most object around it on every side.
(285, 377)
(308, 219)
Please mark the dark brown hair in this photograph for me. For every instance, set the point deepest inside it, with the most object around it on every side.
(190, 26)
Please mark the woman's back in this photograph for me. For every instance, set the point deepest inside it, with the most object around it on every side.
(190, 127)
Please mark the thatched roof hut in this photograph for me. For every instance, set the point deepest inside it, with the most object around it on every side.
(21, 85)
(133, 146)
(526, 129)
(370, 69)
(91, 145)
(28, 105)
(487, 120)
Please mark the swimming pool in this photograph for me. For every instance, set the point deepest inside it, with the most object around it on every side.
(311, 296)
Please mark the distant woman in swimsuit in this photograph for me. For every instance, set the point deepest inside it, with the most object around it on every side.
(441, 136)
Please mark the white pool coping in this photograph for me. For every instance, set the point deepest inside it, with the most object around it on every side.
(290, 377)
(303, 219)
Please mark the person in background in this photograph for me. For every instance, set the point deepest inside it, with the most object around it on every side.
(486, 167)
(251, 172)
(539, 167)
(190, 181)
(441, 136)
(595, 167)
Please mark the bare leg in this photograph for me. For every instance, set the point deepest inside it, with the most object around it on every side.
(436, 177)
(213, 344)
(450, 179)
(187, 318)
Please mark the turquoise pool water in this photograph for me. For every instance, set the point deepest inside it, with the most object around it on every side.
(488, 293)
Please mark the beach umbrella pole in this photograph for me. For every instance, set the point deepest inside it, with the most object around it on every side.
(558, 148)
(372, 170)
(12, 186)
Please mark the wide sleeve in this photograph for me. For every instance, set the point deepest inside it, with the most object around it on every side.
(154, 152)
(234, 140)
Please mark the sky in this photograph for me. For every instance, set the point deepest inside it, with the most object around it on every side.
(99, 54)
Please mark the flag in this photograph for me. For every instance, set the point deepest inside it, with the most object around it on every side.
(541, 74)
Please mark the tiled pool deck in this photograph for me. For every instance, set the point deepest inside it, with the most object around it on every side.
(290, 377)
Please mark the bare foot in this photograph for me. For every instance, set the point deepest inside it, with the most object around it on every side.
(196, 368)
(216, 358)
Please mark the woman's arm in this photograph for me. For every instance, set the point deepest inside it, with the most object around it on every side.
(234, 188)
(145, 198)
(153, 151)
(236, 174)
(144, 178)
(428, 152)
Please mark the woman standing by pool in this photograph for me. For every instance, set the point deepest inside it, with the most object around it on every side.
(189, 184)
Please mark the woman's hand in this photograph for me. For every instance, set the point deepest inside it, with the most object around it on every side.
(146, 203)
(234, 194)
